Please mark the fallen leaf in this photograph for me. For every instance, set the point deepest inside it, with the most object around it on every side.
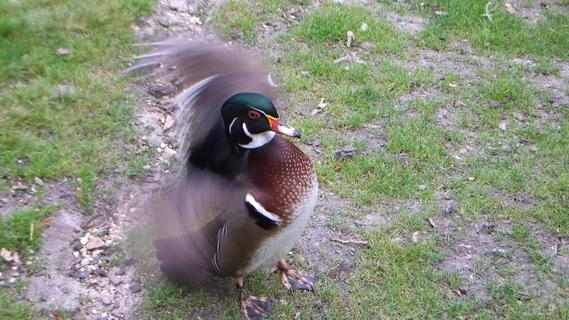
(63, 51)
(415, 236)
(6, 255)
(319, 108)
(460, 103)
(510, 8)
(349, 39)
(520, 116)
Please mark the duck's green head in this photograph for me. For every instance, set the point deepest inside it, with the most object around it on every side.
(251, 120)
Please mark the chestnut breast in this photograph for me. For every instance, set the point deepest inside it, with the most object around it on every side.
(281, 176)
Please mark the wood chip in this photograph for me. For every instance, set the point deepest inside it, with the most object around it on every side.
(350, 241)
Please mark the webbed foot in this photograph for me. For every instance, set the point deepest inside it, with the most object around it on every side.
(294, 280)
(254, 308)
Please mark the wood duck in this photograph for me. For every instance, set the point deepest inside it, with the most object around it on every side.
(248, 192)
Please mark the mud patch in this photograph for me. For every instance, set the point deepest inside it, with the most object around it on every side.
(533, 11)
(408, 23)
(484, 253)
(441, 63)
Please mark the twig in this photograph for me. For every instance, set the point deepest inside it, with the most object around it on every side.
(487, 13)
(350, 241)
(31, 231)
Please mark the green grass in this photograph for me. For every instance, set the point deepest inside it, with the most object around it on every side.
(10, 308)
(17, 233)
(505, 33)
(421, 165)
(62, 116)
(242, 19)
(50, 132)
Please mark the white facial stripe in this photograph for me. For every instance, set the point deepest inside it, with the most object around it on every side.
(231, 124)
(269, 215)
(257, 139)
(289, 131)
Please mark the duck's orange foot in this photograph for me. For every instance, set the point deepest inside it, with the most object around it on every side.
(254, 308)
(294, 280)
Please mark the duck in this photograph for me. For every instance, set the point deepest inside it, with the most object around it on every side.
(248, 191)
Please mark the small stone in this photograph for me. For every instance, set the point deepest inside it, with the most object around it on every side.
(367, 46)
(65, 290)
(422, 187)
(135, 288)
(345, 152)
(364, 27)
(101, 272)
(471, 179)
(106, 300)
(82, 274)
(38, 181)
(119, 271)
(168, 122)
(441, 13)
(95, 243)
(85, 262)
(494, 104)
(159, 90)
(359, 223)
(115, 281)
(65, 90)
(63, 51)
(503, 125)
(487, 228)
(449, 208)
(12, 280)
(170, 152)
(305, 74)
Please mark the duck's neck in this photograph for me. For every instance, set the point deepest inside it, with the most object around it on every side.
(218, 154)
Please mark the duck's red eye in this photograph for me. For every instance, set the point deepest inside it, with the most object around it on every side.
(253, 115)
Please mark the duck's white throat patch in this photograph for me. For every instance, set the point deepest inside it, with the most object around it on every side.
(257, 139)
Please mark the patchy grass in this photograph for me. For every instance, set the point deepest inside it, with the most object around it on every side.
(503, 32)
(242, 19)
(10, 308)
(65, 115)
(515, 173)
(21, 231)
(64, 108)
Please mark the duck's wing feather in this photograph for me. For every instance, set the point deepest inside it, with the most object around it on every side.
(188, 222)
(206, 75)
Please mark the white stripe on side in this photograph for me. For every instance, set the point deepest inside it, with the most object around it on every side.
(269, 215)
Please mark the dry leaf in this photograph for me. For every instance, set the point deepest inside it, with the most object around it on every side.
(510, 8)
(415, 236)
(319, 108)
(349, 39)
